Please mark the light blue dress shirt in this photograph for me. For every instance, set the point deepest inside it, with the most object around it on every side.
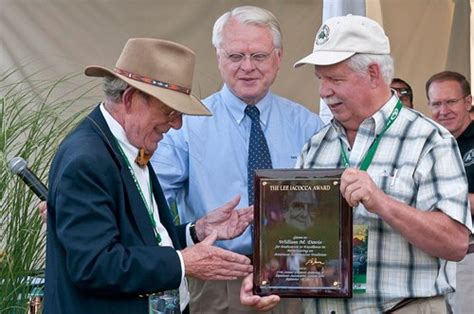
(204, 164)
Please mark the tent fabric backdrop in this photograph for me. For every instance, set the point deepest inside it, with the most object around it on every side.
(59, 37)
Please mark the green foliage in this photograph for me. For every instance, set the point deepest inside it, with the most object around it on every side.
(33, 121)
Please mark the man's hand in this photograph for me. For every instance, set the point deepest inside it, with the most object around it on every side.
(433, 232)
(226, 220)
(208, 262)
(43, 211)
(249, 299)
(358, 187)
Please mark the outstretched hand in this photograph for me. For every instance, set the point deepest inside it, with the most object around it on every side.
(227, 221)
(249, 299)
(208, 262)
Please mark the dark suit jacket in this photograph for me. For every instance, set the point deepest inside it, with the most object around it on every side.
(102, 255)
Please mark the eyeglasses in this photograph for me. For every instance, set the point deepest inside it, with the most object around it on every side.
(170, 113)
(403, 91)
(436, 105)
(256, 58)
(298, 206)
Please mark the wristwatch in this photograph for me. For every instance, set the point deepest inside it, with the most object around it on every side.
(192, 232)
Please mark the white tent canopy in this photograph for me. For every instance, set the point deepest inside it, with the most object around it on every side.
(61, 37)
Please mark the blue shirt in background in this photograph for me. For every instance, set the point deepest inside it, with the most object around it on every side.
(204, 164)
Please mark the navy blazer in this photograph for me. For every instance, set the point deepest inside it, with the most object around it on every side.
(102, 255)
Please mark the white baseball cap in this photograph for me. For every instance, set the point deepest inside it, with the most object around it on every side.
(341, 37)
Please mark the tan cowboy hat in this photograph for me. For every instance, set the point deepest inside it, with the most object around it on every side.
(159, 68)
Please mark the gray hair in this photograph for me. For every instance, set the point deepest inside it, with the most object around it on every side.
(248, 15)
(360, 63)
(113, 88)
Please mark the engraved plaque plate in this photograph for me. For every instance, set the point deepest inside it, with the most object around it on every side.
(303, 234)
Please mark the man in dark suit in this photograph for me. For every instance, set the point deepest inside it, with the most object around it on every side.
(111, 240)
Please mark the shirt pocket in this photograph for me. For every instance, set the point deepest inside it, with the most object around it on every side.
(399, 183)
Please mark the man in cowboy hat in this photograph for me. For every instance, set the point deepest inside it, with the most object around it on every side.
(409, 191)
(111, 241)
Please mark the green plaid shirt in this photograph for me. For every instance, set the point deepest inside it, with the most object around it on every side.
(418, 163)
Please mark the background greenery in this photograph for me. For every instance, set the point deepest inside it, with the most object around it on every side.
(35, 115)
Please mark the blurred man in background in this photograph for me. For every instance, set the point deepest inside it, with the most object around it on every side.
(450, 101)
(404, 91)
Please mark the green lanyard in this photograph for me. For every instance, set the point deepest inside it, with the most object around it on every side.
(149, 210)
(371, 152)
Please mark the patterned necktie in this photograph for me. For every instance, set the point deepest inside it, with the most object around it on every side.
(259, 154)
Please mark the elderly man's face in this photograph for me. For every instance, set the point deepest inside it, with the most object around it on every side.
(248, 61)
(347, 93)
(449, 106)
(147, 119)
(299, 215)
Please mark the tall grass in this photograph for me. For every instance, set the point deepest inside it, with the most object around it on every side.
(33, 121)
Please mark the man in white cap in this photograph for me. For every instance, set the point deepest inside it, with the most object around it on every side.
(111, 241)
(404, 177)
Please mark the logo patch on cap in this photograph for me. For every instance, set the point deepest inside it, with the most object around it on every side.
(323, 35)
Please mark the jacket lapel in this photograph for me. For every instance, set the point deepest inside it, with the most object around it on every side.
(137, 207)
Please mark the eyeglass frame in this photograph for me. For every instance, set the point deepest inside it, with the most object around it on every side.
(255, 62)
(170, 113)
(449, 103)
(403, 91)
(300, 206)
